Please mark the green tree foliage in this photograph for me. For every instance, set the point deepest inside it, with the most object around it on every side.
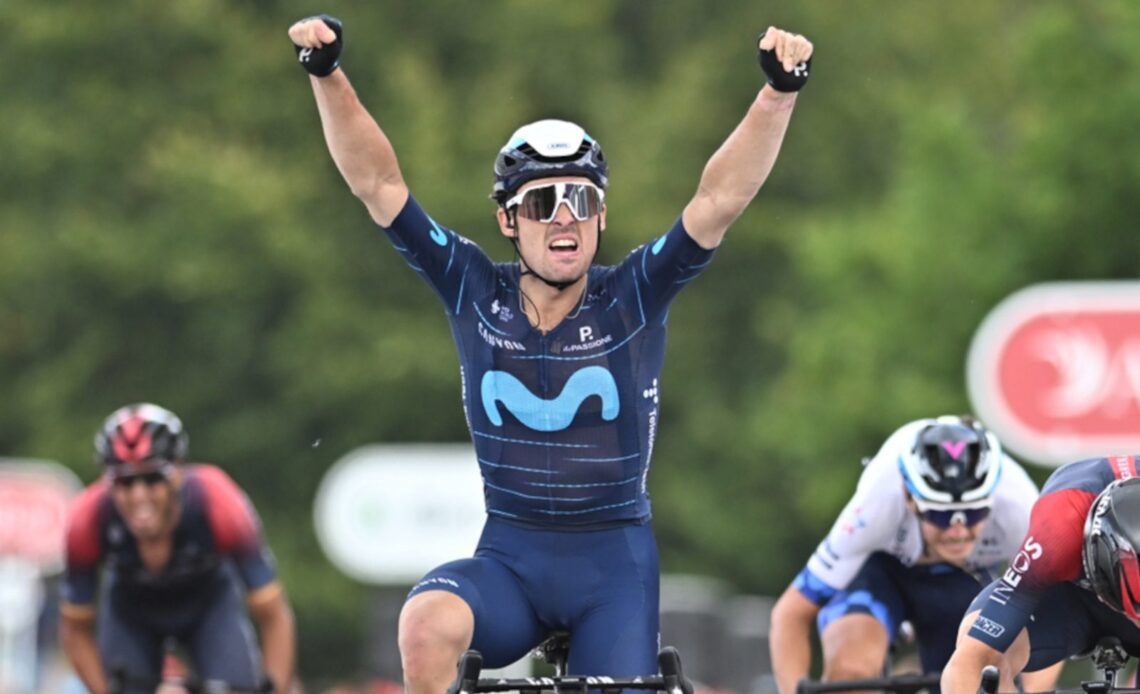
(173, 230)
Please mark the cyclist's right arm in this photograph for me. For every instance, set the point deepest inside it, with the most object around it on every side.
(963, 673)
(77, 636)
(82, 557)
(994, 631)
(789, 638)
(359, 147)
(867, 524)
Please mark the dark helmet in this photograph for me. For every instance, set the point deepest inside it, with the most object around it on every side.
(140, 438)
(954, 461)
(1112, 533)
(544, 149)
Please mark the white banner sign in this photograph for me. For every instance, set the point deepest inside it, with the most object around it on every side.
(387, 514)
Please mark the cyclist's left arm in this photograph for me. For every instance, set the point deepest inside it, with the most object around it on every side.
(237, 534)
(740, 166)
(77, 638)
(270, 610)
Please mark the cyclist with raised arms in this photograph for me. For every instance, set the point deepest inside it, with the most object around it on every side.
(559, 360)
(179, 545)
(1074, 580)
(937, 509)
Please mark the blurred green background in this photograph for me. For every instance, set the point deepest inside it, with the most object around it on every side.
(172, 229)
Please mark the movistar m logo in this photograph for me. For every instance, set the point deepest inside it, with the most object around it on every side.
(554, 414)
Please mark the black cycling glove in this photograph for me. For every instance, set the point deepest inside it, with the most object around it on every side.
(780, 80)
(322, 61)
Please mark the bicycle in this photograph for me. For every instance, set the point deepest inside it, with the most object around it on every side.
(555, 650)
(1108, 657)
(120, 681)
(902, 683)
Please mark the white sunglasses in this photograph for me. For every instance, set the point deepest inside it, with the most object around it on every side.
(541, 202)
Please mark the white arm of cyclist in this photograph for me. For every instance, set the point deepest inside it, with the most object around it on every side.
(740, 166)
(359, 147)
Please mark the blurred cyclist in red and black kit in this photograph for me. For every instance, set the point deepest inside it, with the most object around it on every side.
(179, 545)
(1075, 580)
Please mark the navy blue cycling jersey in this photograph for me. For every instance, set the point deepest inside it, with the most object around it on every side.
(563, 422)
(217, 526)
(218, 556)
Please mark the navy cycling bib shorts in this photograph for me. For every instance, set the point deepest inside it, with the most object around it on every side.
(209, 622)
(600, 585)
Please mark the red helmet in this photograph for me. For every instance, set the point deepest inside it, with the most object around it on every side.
(140, 438)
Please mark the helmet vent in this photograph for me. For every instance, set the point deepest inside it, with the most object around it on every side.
(526, 149)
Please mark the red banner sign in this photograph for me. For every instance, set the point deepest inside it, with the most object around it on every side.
(1054, 370)
(34, 498)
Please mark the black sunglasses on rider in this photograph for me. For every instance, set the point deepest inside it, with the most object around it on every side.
(148, 478)
(540, 203)
(944, 518)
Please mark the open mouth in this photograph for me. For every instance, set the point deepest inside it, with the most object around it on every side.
(956, 543)
(563, 246)
(143, 516)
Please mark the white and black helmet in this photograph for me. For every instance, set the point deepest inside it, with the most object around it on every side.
(954, 462)
(544, 149)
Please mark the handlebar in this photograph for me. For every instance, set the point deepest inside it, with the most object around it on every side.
(990, 677)
(119, 681)
(672, 679)
(470, 664)
(905, 683)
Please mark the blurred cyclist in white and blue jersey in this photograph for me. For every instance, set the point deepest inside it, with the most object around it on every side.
(936, 512)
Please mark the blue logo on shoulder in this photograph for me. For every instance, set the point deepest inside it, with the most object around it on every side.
(554, 414)
(437, 234)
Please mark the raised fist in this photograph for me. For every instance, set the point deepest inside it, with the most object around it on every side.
(318, 41)
(785, 58)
